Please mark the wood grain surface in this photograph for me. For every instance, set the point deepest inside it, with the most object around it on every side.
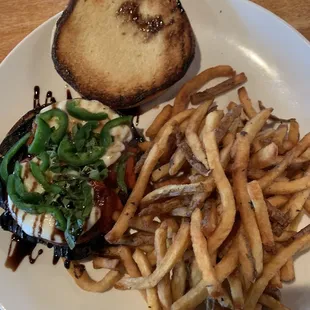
(19, 17)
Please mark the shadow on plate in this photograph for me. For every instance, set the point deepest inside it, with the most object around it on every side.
(171, 92)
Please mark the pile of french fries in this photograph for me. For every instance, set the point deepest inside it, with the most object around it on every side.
(214, 214)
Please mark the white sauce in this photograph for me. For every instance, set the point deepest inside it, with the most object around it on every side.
(120, 134)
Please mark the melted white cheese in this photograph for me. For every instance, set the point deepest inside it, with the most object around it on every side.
(44, 225)
(120, 134)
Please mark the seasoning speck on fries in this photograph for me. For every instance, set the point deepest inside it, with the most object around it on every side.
(217, 222)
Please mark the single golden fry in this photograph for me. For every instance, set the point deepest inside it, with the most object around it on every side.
(106, 263)
(145, 146)
(271, 302)
(159, 121)
(146, 248)
(177, 161)
(307, 206)
(279, 136)
(236, 291)
(156, 209)
(195, 275)
(144, 224)
(288, 187)
(124, 253)
(160, 172)
(246, 260)
(225, 154)
(231, 105)
(183, 97)
(182, 179)
(173, 255)
(151, 256)
(184, 125)
(86, 283)
(246, 103)
(133, 201)
(275, 282)
(225, 191)
(178, 280)
(265, 157)
(181, 212)
(200, 247)
(209, 218)
(212, 121)
(256, 174)
(164, 286)
(261, 213)
(255, 124)
(172, 191)
(137, 239)
(287, 272)
(191, 132)
(219, 89)
(239, 176)
(278, 200)
(296, 203)
(146, 269)
(272, 174)
(293, 134)
(273, 267)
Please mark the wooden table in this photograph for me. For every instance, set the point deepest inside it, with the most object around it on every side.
(20, 17)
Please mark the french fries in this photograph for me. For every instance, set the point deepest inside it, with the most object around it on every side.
(132, 204)
(164, 286)
(288, 187)
(162, 208)
(191, 132)
(160, 172)
(271, 302)
(246, 260)
(172, 191)
(241, 160)
(86, 283)
(262, 217)
(146, 269)
(225, 191)
(287, 272)
(236, 291)
(246, 103)
(183, 97)
(265, 157)
(159, 121)
(215, 211)
(106, 263)
(219, 89)
(174, 253)
(202, 255)
(209, 218)
(178, 280)
(273, 267)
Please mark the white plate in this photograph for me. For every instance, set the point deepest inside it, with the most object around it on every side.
(236, 32)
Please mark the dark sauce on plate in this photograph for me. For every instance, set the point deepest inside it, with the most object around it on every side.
(36, 97)
(17, 254)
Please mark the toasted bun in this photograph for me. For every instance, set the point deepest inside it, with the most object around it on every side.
(122, 52)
